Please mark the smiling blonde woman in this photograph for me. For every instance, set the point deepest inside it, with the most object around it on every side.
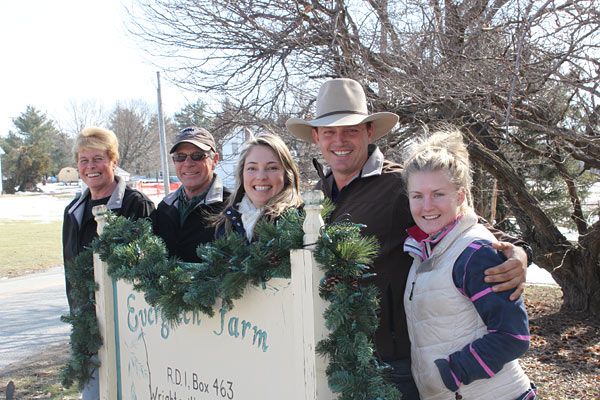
(96, 153)
(267, 184)
(465, 337)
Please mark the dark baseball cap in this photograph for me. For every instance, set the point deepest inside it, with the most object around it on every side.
(199, 137)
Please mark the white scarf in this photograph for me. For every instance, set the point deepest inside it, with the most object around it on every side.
(250, 215)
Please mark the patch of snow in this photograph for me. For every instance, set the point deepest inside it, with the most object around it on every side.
(33, 207)
(60, 188)
(45, 207)
(539, 276)
(569, 234)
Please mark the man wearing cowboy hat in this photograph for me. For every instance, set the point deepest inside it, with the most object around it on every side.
(368, 189)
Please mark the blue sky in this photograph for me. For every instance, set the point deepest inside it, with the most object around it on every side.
(59, 51)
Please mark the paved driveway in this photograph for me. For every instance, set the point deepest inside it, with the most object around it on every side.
(30, 310)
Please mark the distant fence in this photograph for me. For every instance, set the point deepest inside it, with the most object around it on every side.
(155, 188)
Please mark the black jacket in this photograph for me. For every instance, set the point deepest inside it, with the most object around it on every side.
(234, 216)
(182, 241)
(377, 199)
(78, 231)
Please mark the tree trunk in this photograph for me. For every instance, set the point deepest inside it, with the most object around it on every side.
(579, 278)
(574, 266)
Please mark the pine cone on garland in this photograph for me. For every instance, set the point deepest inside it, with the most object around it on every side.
(274, 260)
(333, 280)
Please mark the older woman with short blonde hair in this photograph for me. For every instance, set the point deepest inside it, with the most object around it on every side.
(96, 152)
(97, 138)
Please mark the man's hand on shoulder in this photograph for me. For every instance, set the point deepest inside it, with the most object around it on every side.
(512, 273)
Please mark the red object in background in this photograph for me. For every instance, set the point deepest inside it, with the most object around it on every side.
(155, 188)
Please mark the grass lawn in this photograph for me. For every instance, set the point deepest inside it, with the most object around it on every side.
(28, 246)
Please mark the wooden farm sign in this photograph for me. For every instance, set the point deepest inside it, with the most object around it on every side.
(264, 348)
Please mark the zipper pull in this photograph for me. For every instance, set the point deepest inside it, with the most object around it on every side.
(411, 291)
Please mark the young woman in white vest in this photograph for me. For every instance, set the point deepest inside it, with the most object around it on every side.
(465, 338)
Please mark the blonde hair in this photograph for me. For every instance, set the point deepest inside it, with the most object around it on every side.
(444, 150)
(290, 194)
(99, 139)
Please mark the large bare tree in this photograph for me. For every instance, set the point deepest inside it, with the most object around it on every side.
(83, 114)
(136, 127)
(520, 77)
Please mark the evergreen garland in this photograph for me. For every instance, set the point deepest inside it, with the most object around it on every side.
(229, 264)
(85, 335)
(343, 254)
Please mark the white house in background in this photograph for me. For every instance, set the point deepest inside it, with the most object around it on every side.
(228, 158)
(123, 174)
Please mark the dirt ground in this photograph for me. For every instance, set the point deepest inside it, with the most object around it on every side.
(564, 357)
(38, 377)
(563, 361)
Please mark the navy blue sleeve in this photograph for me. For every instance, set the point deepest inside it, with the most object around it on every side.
(506, 321)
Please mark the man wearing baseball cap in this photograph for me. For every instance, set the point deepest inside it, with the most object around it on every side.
(368, 189)
(182, 217)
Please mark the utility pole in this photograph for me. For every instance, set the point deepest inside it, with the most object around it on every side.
(1, 177)
(161, 135)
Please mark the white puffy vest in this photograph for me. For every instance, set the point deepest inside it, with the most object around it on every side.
(442, 321)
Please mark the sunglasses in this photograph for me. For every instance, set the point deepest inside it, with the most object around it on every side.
(181, 157)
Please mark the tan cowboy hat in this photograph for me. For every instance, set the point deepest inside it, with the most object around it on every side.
(342, 102)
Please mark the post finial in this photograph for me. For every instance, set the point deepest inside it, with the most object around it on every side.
(99, 213)
(313, 221)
